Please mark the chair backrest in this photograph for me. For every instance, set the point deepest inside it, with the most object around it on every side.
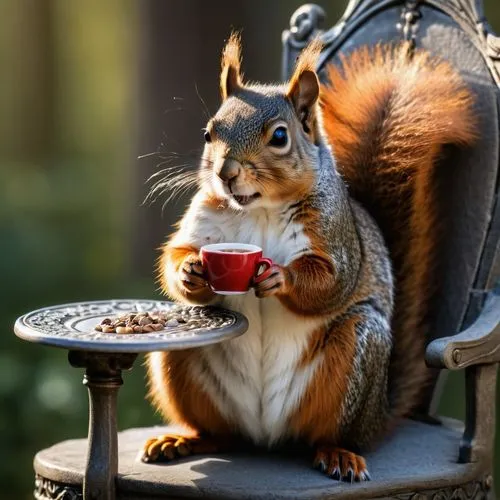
(469, 257)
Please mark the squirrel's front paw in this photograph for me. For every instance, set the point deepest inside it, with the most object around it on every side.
(171, 446)
(271, 284)
(191, 275)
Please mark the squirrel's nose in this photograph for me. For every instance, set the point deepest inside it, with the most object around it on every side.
(229, 171)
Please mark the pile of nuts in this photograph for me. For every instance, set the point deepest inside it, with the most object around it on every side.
(143, 322)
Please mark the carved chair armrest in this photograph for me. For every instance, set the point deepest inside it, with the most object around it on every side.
(477, 349)
(478, 344)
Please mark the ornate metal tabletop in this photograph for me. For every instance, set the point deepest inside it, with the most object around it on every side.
(71, 326)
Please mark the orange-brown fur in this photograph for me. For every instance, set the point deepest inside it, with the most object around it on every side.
(336, 344)
(182, 400)
(215, 203)
(306, 62)
(314, 288)
(231, 65)
(314, 285)
(312, 277)
(387, 116)
(285, 187)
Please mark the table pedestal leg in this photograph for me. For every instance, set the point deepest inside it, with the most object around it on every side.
(103, 379)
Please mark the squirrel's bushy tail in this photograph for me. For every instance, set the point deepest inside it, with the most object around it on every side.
(387, 115)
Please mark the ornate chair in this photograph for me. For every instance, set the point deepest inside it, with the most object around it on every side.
(426, 458)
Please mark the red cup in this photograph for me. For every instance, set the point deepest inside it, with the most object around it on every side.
(231, 273)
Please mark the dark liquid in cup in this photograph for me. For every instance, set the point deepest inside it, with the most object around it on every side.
(235, 250)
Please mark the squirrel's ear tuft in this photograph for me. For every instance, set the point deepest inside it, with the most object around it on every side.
(303, 88)
(231, 78)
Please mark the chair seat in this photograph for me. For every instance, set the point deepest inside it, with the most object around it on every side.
(418, 457)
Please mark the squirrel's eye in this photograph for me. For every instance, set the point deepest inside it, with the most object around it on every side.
(279, 138)
(207, 137)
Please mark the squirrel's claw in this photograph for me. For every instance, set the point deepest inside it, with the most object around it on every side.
(365, 476)
(336, 474)
(349, 477)
(340, 464)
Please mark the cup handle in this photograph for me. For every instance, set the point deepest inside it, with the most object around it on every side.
(268, 264)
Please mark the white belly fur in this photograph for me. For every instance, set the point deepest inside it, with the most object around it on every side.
(259, 384)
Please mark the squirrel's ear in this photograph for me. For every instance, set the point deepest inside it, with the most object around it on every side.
(230, 76)
(304, 93)
(303, 88)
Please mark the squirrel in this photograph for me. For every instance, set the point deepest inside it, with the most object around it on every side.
(334, 182)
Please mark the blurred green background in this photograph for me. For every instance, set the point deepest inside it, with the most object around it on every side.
(87, 88)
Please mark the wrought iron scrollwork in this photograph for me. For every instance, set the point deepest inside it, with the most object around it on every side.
(409, 21)
(305, 22)
(50, 490)
(475, 490)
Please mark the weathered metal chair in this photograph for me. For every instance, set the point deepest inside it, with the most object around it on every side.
(423, 459)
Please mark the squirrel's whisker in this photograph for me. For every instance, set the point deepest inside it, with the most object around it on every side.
(205, 107)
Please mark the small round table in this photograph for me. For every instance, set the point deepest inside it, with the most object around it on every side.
(105, 355)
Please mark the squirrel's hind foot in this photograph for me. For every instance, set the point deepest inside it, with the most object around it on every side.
(340, 464)
(171, 446)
